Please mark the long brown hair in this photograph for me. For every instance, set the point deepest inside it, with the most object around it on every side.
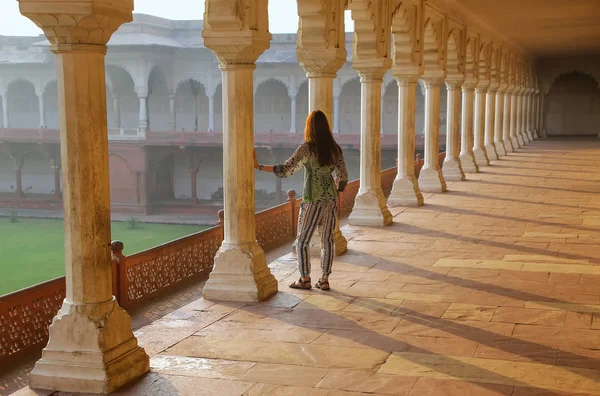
(320, 139)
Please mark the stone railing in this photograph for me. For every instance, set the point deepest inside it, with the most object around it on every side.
(201, 139)
(25, 315)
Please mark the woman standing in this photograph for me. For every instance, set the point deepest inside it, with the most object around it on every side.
(321, 158)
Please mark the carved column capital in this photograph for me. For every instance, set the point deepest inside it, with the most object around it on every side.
(371, 69)
(236, 31)
(82, 25)
(454, 84)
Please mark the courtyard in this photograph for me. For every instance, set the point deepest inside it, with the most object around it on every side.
(33, 249)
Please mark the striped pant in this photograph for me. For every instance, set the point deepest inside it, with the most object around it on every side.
(320, 214)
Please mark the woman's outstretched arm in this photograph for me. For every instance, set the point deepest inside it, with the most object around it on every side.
(291, 166)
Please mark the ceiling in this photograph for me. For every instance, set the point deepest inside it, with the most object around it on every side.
(544, 28)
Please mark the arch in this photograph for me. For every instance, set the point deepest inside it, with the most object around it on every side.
(350, 97)
(158, 100)
(454, 62)
(262, 80)
(558, 74)
(123, 87)
(407, 54)
(122, 178)
(22, 104)
(433, 47)
(471, 58)
(191, 106)
(272, 107)
(484, 61)
(573, 105)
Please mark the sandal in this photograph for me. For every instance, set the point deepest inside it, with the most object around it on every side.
(322, 284)
(301, 284)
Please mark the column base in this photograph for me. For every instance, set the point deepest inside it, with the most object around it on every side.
(405, 192)
(240, 273)
(500, 149)
(91, 350)
(530, 135)
(370, 209)
(508, 146)
(468, 164)
(492, 154)
(545, 135)
(481, 158)
(536, 134)
(452, 170)
(521, 140)
(515, 143)
(432, 180)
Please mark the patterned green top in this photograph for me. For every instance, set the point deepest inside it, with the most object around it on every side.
(318, 180)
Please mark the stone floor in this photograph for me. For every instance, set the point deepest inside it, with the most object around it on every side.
(490, 289)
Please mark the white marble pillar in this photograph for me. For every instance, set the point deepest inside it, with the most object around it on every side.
(211, 113)
(467, 158)
(5, 116)
(405, 190)
(172, 113)
(91, 347)
(431, 177)
(499, 122)
(116, 110)
(42, 108)
(490, 123)
(536, 114)
(240, 272)
(320, 97)
(370, 208)
(336, 114)
(479, 151)
(514, 117)
(508, 146)
(520, 116)
(452, 169)
(143, 110)
(530, 114)
(526, 116)
(293, 93)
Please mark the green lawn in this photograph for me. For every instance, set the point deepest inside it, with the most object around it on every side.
(33, 249)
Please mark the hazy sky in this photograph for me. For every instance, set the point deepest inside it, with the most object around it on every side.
(283, 15)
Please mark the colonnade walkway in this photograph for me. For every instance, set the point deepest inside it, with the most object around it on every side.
(492, 288)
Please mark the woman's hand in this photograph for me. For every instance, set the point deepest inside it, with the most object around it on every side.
(255, 159)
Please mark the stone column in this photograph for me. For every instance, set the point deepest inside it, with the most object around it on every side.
(506, 123)
(172, 113)
(452, 169)
(293, 92)
(336, 114)
(42, 103)
(490, 123)
(536, 114)
(320, 97)
(514, 116)
(382, 114)
(56, 171)
(116, 110)
(211, 113)
(143, 96)
(18, 162)
(240, 271)
(531, 114)
(405, 190)
(499, 122)
(431, 178)
(520, 116)
(526, 116)
(467, 158)
(5, 118)
(479, 152)
(91, 347)
(370, 208)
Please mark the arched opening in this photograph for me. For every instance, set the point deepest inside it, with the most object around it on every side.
(191, 106)
(350, 107)
(390, 108)
(301, 106)
(23, 105)
(573, 106)
(51, 105)
(123, 88)
(272, 107)
(158, 101)
(7, 174)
